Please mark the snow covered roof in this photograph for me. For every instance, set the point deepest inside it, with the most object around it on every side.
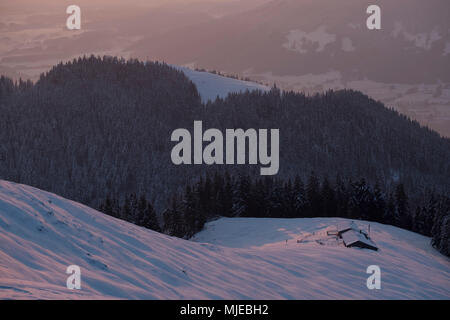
(352, 236)
(346, 225)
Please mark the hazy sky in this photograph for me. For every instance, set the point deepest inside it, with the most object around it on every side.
(33, 35)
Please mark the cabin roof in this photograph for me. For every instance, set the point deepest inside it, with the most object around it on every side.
(352, 236)
(346, 225)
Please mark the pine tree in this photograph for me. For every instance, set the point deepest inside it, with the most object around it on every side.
(436, 230)
(290, 200)
(300, 197)
(174, 223)
(241, 197)
(402, 217)
(389, 215)
(225, 197)
(360, 199)
(191, 210)
(276, 200)
(206, 198)
(125, 213)
(107, 206)
(258, 199)
(148, 217)
(441, 227)
(430, 212)
(202, 195)
(314, 201)
(418, 222)
(329, 199)
(342, 198)
(217, 192)
(377, 205)
(444, 244)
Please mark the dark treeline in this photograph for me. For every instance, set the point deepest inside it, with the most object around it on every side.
(134, 209)
(224, 195)
(101, 126)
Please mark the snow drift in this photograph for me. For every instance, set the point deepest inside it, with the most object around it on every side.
(41, 234)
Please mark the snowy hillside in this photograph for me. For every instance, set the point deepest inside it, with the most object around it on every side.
(211, 85)
(41, 234)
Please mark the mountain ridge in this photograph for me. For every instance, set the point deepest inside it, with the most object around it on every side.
(115, 137)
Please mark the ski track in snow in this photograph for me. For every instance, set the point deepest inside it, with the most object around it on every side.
(41, 234)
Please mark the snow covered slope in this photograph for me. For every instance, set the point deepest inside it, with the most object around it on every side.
(41, 234)
(211, 85)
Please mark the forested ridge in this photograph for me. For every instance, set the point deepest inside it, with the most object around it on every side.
(98, 127)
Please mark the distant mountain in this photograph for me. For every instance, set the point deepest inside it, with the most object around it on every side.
(297, 37)
(41, 234)
(302, 45)
(312, 46)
